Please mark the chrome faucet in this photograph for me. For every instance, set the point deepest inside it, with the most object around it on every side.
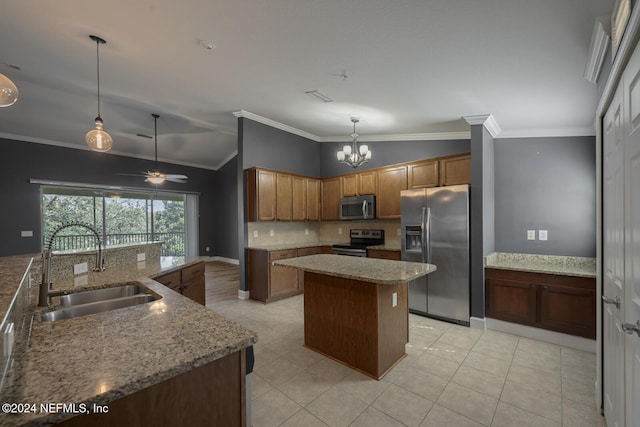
(45, 287)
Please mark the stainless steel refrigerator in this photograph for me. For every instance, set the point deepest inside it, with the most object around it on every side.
(435, 230)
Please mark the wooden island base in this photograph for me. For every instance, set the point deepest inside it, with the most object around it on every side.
(355, 322)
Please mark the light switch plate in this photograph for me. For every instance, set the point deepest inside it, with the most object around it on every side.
(543, 234)
(306, 231)
(339, 230)
(531, 234)
(394, 299)
(272, 233)
(255, 234)
(142, 257)
(80, 268)
(26, 233)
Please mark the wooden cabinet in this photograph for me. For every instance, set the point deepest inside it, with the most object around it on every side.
(283, 197)
(189, 282)
(559, 303)
(298, 198)
(331, 199)
(261, 195)
(312, 199)
(455, 170)
(282, 280)
(423, 174)
(269, 282)
(367, 182)
(349, 185)
(391, 181)
(357, 184)
(383, 254)
(304, 252)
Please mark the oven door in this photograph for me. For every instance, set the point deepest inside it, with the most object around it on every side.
(359, 252)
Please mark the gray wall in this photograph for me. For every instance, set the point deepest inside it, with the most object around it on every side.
(226, 221)
(549, 184)
(21, 161)
(389, 152)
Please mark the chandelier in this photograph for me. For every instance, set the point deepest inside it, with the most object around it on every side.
(351, 154)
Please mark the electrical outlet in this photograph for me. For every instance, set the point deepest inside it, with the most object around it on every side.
(531, 234)
(80, 268)
(255, 234)
(142, 265)
(543, 234)
(272, 233)
(207, 249)
(394, 299)
(26, 233)
(339, 230)
(142, 256)
(306, 231)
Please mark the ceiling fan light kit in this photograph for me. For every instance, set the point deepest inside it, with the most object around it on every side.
(155, 176)
(353, 155)
(98, 139)
(8, 91)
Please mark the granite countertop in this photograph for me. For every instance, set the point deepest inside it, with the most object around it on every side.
(381, 271)
(285, 246)
(550, 264)
(12, 270)
(105, 356)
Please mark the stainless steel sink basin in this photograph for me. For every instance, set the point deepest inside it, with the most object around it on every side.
(97, 307)
(102, 294)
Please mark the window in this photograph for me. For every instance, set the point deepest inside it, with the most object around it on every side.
(119, 218)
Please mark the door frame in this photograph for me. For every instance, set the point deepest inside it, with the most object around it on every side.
(625, 50)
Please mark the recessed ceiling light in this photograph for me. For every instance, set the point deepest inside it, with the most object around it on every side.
(316, 94)
(207, 45)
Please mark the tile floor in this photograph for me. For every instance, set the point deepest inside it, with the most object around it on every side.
(452, 376)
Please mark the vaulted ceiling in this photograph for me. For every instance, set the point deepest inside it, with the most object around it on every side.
(402, 67)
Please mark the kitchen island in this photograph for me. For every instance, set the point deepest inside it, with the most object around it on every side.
(356, 310)
(167, 362)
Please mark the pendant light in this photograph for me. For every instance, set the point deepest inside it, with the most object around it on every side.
(8, 92)
(97, 138)
(351, 154)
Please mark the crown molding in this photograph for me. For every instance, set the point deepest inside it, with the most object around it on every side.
(597, 50)
(401, 137)
(487, 120)
(224, 162)
(546, 133)
(274, 124)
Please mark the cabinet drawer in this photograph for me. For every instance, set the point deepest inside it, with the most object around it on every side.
(289, 253)
(383, 254)
(309, 251)
(170, 280)
(192, 272)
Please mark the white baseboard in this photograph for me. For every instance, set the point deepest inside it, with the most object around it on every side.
(558, 338)
(223, 259)
(243, 294)
(478, 323)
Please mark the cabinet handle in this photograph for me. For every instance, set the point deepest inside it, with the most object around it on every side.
(532, 286)
(615, 301)
(545, 287)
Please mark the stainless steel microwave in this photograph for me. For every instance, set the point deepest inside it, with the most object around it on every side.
(358, 207)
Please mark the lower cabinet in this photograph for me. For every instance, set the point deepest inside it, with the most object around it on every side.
(383, 254)
(189, 282)
(269, 282)
(558, 303)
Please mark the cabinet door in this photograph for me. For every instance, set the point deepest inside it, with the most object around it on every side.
(313, 199)
(283, 194)
(194, 289)
(423, 174)
(511, 301)
(383, 254)
(261, 195)
(367, 182)
(282, 279)
(349, 185)
(258, 274)
(171, 280)
(304, 252)
(456, 170)
(298, 198)
(391, 181)
(331, 199)
(568, 310)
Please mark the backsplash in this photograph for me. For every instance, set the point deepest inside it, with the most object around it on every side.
(276, 233)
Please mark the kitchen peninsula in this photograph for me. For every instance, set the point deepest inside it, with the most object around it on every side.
(356, 309)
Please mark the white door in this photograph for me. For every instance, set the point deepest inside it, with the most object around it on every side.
(613, 262)
(631, 80)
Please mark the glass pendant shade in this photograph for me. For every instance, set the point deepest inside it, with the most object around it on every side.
(98, 139)
(364, 150)
(156, 177)
(8, 91)
(340, 155)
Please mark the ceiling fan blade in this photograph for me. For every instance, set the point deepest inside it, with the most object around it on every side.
(175, 179)
(176, 176)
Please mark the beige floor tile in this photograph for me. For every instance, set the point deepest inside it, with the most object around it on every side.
(420, 342)
(509, 416)
(549, 364)
(303, 419)
(496, 350)
(578, 392)
(328, 370)
(439, 416)
(404, 406)
(539, 347)
(483, 362)
(337, 407)
(472, 404)
(578, 415)
(540, 380)
(448, 351)
(278, 371)
(264, 356)
(303, 356)
(258, 386)
(372, 417)
(480, 381)
(585, 374)
(363, 387)
(436, 365)
(421, 383)
(533, 400)
(272, 409)
(460, 336)
(304, 387)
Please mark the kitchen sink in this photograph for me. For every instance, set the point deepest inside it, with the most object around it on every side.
(102, 294)
(99, 300)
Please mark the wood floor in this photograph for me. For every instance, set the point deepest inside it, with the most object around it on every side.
(222, 281)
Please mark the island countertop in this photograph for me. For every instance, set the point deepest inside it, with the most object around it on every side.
(380, 271)
(100, 358)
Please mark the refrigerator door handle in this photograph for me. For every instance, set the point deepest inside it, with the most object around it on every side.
(364, 209)
(424, 237)
(428, 234)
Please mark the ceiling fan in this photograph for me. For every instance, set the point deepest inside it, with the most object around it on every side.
(155, 176)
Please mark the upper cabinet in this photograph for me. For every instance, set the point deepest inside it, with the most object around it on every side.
(349, 185)
(455, 170)
(357, 184)
(283, 197)
(305, 198)
(261, 195)
(423, 174)
(331, 199)
(391, 181)
(313, 199)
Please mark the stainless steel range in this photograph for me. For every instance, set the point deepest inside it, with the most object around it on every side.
(360, 239)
